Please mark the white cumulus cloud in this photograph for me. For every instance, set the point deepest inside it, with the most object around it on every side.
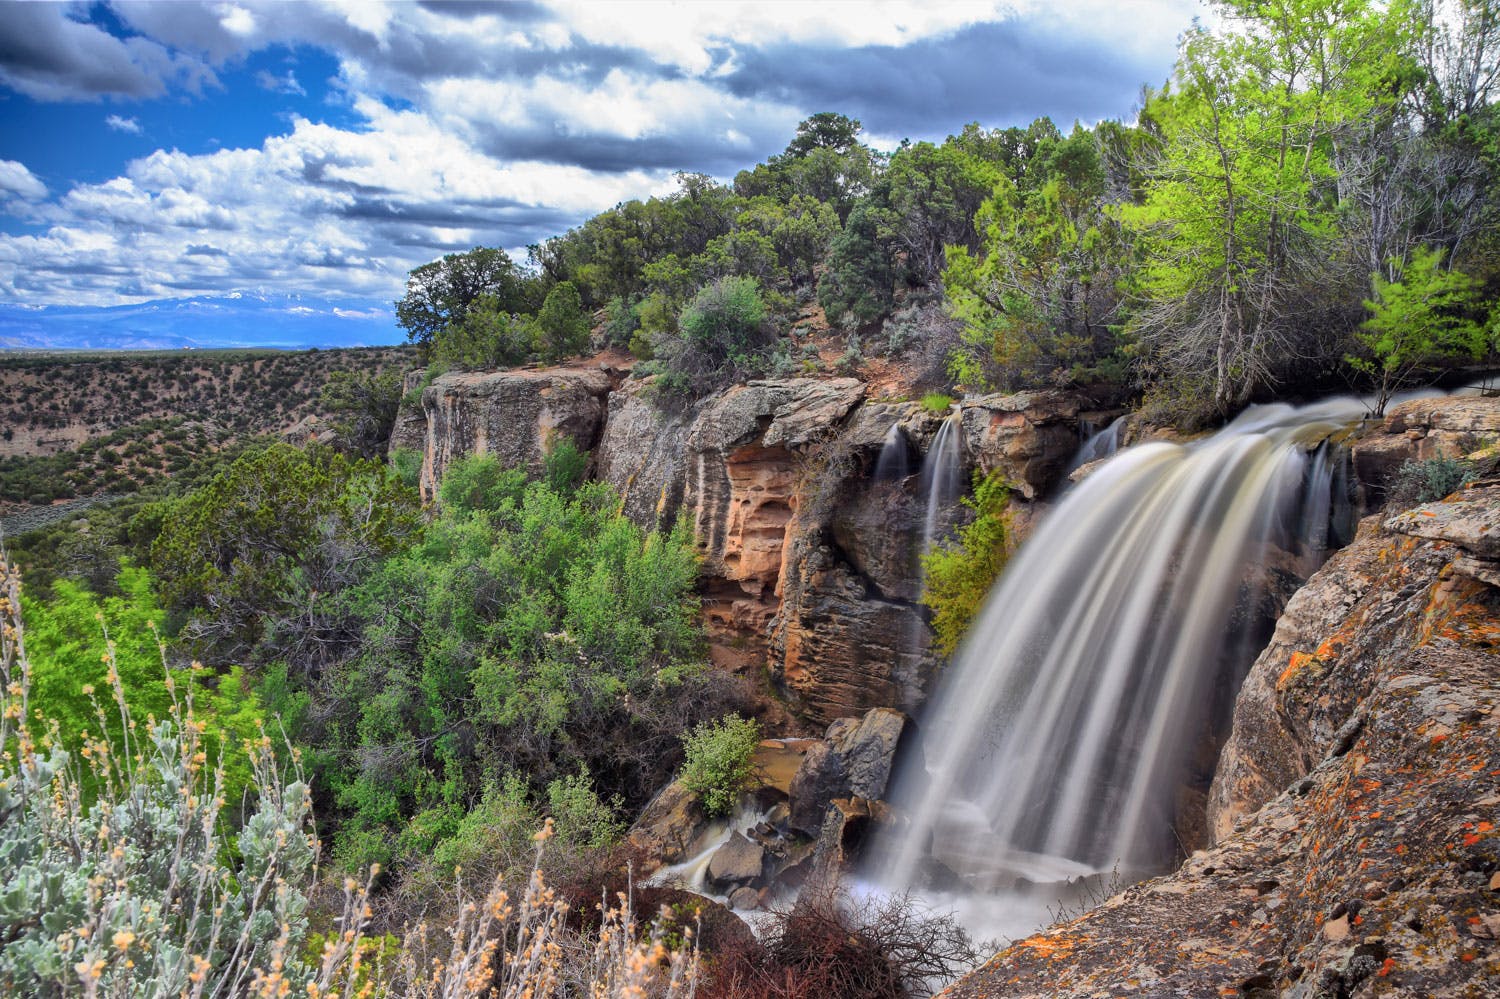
(18, 181)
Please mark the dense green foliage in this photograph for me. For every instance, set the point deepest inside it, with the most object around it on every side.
(1421, 315)
(86, 648)
(530, 630)
(363, 406)
(719, 761)
(958, 576)
(119, 876)
(722, 333)
(440, 294)
(251, 556)
(1263, 224)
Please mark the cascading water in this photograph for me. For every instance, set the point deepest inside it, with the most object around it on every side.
(1100, 445)
(893, 465)
(1054, 746)
(942, 477)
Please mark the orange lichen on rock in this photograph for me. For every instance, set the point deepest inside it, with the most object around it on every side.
(1298, 660)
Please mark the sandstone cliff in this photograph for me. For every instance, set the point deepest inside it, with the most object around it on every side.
(809, 564)
(514, 415)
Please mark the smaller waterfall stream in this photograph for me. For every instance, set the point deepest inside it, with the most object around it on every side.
(942, 477)
(1054, 746)
(893, 463)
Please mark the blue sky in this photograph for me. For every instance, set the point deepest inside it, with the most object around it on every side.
(158, 150)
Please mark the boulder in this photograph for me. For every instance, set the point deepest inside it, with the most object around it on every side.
(847, 827)
(744, 899)
(1471, 521)
(671, 825)
(1029, 437)
(820, 779)
(514, 415)
(738, 862)
(853, 760)
(867, 748)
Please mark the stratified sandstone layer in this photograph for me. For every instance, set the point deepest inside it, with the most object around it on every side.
(514, 415)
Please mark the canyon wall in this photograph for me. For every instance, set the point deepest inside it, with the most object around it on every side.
(810, 567)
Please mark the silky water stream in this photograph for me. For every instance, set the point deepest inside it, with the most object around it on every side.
(1051, 759)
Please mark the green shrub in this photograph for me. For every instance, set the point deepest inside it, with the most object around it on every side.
(406, 463)
(565, 465)
(719, 762)
(145, 893)
(959, 576)
(561, 324)
(723, 335)
(937, 402)
(1428, 481)
(479, 482)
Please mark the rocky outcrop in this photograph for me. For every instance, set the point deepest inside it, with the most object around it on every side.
(1029, 437)
(514, 415)
(409, 433)
(642, 454)
(838, 645)
(809, 559)
(1420, 430)
(1354, 808)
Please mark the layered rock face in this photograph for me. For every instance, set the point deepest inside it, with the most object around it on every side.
(1421, 430)
(1355, 807)
(514, 415)
(809, 565)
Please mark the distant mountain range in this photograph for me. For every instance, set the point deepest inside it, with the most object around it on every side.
(234, 320)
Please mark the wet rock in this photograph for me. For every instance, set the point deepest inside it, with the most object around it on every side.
(739, 861)
(879, 531)
(820, 779)
(744, 899)
(847, 827)
(867, 749)
(671, 825)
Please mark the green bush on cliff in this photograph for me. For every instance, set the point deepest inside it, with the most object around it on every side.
(720, 761)
(1428, 481)
(959, 576)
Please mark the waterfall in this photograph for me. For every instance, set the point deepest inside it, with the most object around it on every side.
(1101, 444)
(1055, 744)
(942, 477)
(893, 465)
